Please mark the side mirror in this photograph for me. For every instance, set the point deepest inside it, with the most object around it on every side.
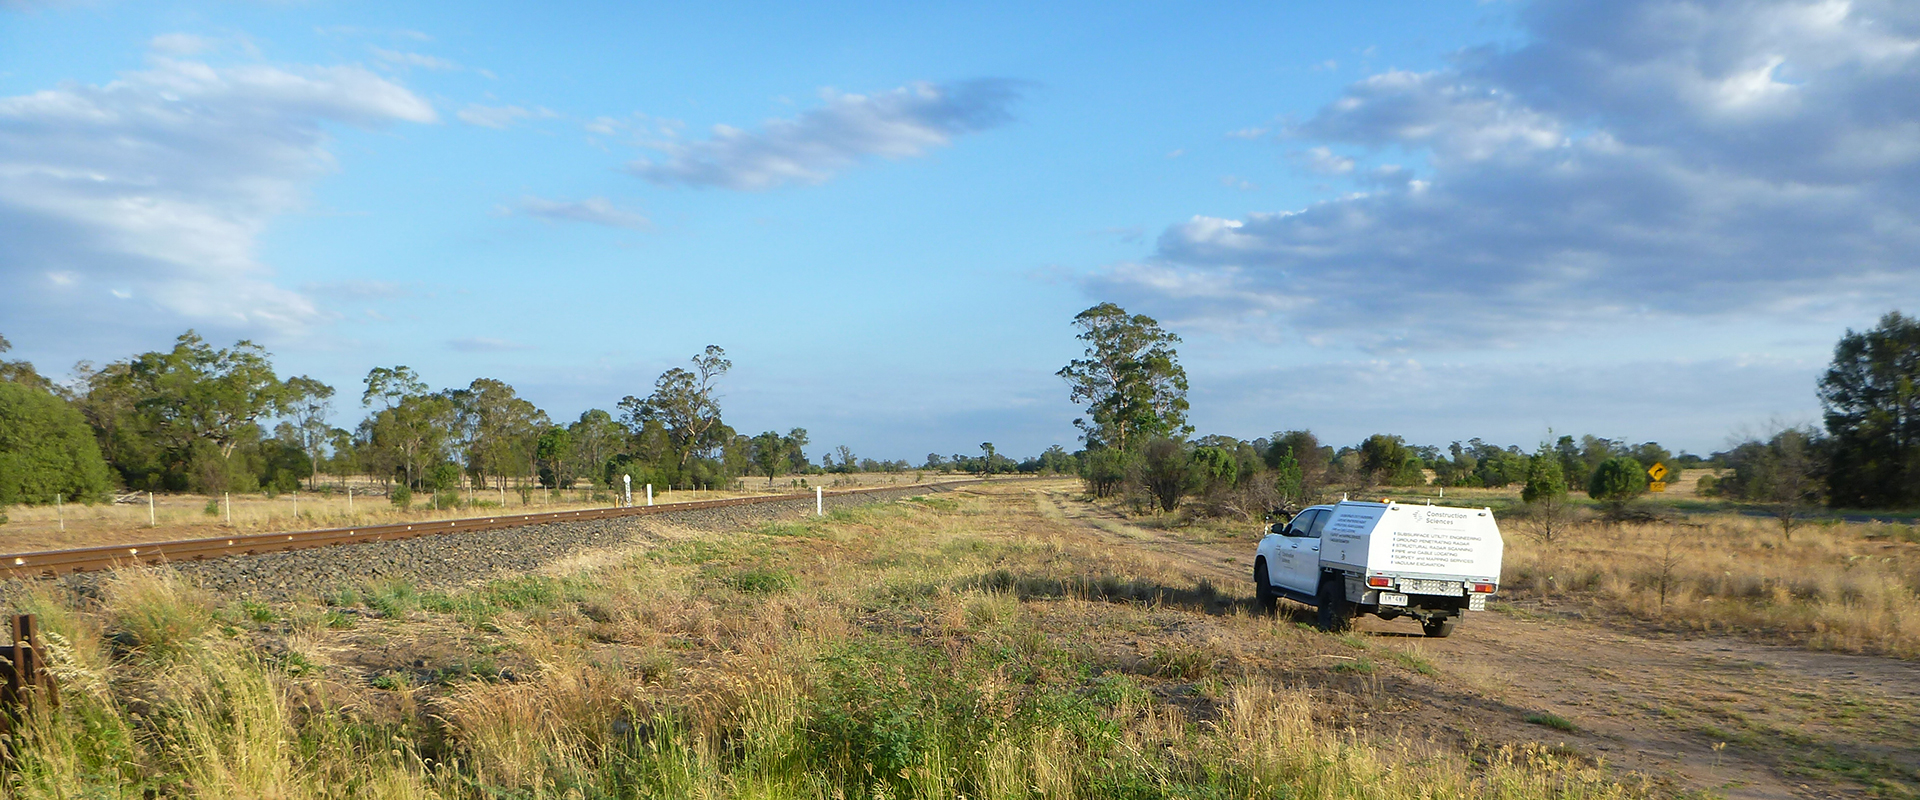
(1278, 528)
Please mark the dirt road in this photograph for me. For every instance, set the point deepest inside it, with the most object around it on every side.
(1709, 714)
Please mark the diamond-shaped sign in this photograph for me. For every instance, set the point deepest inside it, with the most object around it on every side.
(1658, 472)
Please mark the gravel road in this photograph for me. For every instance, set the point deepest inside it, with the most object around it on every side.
(458, 559)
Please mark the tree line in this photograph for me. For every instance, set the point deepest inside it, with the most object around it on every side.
(1139, 444)
(207, 419)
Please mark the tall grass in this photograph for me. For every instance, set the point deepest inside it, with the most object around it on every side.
(1845, 587)
(920, 650)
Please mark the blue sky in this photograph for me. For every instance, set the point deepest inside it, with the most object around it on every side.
(1645, 219)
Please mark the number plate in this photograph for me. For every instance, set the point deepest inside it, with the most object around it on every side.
(1418, 586)
(1392, 599)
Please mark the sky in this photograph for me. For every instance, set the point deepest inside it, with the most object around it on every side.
(1641, 219)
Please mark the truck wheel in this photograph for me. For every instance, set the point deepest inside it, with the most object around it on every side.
(1336, 614)
(1439, 627)
(1263, 595)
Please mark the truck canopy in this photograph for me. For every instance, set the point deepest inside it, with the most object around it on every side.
(1417, 541)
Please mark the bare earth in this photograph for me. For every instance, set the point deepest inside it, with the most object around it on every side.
(1716, 715)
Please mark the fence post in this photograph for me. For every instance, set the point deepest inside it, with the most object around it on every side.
(349, 502)
(819, 502)
(649, 494)
(60, 507)
(227, 497)
(151, 521)
(23, 671)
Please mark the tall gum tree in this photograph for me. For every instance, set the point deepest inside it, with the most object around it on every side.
(1871, 395)
(1130, 380)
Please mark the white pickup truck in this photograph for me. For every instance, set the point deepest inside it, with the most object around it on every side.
(1432, 563)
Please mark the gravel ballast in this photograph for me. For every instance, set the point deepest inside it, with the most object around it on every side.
(459, 559)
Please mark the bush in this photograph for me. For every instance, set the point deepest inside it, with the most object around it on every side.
(400, 497)
(1616, 481)
(46, 448)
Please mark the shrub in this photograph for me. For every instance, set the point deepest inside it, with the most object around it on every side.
(400, 497)
(46, 448)
(1616, 481)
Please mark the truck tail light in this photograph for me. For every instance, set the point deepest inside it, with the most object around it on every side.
(1382, 581)
(1483, 588)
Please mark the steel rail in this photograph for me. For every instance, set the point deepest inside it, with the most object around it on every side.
(53, 563)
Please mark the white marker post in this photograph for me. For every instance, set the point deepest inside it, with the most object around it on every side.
(296, 505)
(819, 502)
(627, 482)
(649, 494)
(59, 507)
(349, 501)
(228, 499)
(151, 522)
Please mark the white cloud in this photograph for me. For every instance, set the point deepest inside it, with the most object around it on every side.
(1633, 160)
(155, 186)
(500, 117)
(181, 44)
(400, 58)
(593, 210)
(484, 344)
(1323, 161)
(818, 144)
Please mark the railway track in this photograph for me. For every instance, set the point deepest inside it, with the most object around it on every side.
(54, 563)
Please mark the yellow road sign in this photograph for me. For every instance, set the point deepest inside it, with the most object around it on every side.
(1657, 486)
(1657, 472)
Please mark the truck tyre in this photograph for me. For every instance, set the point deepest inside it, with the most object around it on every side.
(1263, 596)
(1336, 614)
(1439, 627)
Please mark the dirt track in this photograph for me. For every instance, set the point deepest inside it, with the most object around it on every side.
(1719, 715)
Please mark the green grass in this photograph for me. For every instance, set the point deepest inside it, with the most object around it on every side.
(1551, 720)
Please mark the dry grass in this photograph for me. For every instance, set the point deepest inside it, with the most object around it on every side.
(960, 646)
(1847, 587)
(182, 516)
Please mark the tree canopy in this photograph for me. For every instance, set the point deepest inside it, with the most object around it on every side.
(1871, 396)
(1130, 380)
(46, 449)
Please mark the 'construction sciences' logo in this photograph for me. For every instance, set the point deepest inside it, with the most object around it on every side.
(1438, 517)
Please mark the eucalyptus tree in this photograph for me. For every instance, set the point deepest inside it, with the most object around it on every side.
(1130, 380)
(503, 430)
(307, 404)
(1871, 396)
(413, 427)
(596, 438)
(770, 455)
(686, 406)
(159, 412)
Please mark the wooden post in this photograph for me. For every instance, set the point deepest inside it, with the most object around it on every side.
(151, 521)
(349, 502)
(21, 671)
(226, 498)
(60, 507)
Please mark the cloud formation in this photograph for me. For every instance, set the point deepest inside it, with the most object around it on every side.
(499, 117)
(1649, 158)
(154, 187)
(593, 210)
(484, 344)
(818, 144)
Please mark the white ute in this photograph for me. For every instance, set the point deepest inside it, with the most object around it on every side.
(1432, 563)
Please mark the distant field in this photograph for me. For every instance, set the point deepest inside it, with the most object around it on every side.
(185, 516)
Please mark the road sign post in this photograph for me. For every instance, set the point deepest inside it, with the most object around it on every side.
(1658, 472)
